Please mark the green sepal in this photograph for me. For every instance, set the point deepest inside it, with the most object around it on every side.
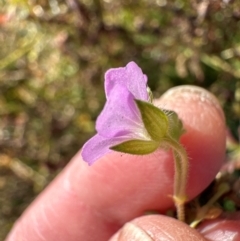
(137, 147)
(175, 125)
(150, 95)
(154, 119)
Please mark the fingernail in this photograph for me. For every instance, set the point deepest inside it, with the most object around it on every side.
(193, 93)
(131, 232)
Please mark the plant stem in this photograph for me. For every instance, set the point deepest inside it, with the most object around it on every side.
(180, 177)
(222, 189)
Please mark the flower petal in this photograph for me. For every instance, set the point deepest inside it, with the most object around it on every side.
(120, 115)
(97, 147)
(130, 76)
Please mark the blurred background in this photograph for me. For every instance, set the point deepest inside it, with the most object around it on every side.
(53, 56)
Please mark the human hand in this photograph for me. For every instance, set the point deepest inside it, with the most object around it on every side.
(92, 203)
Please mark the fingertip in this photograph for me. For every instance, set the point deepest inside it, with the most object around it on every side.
(226, 227)
(187, 94)
(156, 228)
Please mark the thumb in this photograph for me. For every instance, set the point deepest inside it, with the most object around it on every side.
(156, 228)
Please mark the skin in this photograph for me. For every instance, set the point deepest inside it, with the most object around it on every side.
(107, 199)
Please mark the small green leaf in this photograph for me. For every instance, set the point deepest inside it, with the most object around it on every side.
(137, 147)
(175, 125)
(154, 119)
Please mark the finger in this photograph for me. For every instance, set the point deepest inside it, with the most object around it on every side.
(91, 203)
(156, 228)
(224, 228)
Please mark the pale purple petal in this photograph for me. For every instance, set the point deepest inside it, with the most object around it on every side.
(97, 147)
(120, 119)
(145, 79)
(120, 115)
(130, 76)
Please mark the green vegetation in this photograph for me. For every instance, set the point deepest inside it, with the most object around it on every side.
(53, 56)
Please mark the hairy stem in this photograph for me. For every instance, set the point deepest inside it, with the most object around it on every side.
(180, 177)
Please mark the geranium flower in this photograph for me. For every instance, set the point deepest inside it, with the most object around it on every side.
(121, 126)
(129, 123)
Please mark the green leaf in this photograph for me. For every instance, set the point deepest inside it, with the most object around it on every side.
(138, 147)
(154, 119)
(175, 125)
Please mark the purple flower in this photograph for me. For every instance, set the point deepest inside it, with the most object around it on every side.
(120, 119)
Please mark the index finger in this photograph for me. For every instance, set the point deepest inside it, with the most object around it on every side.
(91, 203)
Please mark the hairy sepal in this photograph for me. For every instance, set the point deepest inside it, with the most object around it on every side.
(154, 119)
(137, 147)
(176, 128)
